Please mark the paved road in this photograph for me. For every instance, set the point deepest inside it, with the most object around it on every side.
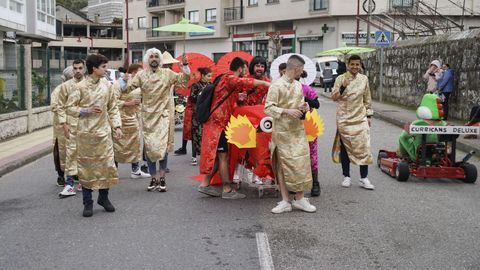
(420, 224)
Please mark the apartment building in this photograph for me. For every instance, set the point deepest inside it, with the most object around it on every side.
(272, 27)
(21, 19)
(80, 36)
(104, 11)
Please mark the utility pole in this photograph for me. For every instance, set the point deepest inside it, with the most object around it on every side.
(358, 23)
(127, 60)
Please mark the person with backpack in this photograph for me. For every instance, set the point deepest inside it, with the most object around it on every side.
(214, 152)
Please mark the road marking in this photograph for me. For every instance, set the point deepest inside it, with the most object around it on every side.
(264, 255)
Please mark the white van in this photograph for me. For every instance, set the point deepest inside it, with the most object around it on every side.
(320, 65)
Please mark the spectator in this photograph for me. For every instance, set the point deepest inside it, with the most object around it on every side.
(445, 87)
(327, 78)
(432, 75)
(474, 120)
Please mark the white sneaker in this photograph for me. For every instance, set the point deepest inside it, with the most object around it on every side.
(365, 183)
(139, 174)
(304, 205)
(347, 182)
(282, 207)
(194, 161)
(67, 191)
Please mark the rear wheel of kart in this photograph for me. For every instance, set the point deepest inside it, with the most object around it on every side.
(470, 173)
(380, 156)
(403, 172)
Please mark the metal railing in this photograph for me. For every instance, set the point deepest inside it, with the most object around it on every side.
(233, 14)
(156, 3)
(150, 33)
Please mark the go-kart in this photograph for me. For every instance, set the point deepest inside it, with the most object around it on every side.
(433, 160)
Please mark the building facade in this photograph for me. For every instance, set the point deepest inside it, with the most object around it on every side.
(105, 11)
(273, 27)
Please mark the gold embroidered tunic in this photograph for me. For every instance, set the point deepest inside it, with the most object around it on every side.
(58, 135)
(66, 90)
(157, 108)
(353, 108)
(289, 149)
(127, 148)
(96, 166)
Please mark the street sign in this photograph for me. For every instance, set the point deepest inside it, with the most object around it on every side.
(383, 39)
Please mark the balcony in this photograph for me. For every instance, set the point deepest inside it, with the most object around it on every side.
(233, 14)
(162, 36)
(162, 5)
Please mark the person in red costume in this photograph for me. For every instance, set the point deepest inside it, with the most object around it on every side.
(214, 152)
(256, 95)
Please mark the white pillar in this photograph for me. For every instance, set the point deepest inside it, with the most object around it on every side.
(28, 84)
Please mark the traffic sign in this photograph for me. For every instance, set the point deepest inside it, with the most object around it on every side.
(383, 38)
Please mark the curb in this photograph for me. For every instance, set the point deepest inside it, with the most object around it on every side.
(400, 123)
(15, 164)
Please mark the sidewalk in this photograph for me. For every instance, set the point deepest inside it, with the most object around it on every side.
(24, 149)
(399, 116)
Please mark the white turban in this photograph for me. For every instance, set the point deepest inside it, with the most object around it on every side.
(150, 52)
(67, 73)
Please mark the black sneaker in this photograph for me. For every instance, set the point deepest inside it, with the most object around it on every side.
(60, 181)
(180, 151)
(163, 185)
(105, 202)
(153, 184)
(144, 168)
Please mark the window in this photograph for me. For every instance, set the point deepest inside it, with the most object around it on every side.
(15, 6)
(252, 2)
(211, 15)
(130, 24)
(142, 22)
(402, 3)
(194, 16)
(320, 4)
(3, 3)
(273, 1)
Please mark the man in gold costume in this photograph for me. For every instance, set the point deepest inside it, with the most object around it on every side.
(94, 103)
(156, 83)
(290, 151)
(352, 92)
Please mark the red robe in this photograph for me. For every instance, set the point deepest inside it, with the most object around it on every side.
(187, 121)
(218, 120)
(259, 93)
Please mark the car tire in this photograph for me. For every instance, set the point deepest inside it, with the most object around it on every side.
(403, 172)
(470, 173)
(380, 156)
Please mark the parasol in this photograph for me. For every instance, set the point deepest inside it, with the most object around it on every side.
(345, 50)
(184, 26)
(223, 65)
(195, 61)
(309, 68)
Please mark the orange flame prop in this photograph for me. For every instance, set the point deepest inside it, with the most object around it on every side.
(241, 132)
(314, 125)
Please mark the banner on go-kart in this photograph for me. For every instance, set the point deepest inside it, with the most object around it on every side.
(452, 130)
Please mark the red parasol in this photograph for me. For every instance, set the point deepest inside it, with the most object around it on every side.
(195, 61)
(223, 65)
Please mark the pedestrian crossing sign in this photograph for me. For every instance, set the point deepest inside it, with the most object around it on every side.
(383, 38)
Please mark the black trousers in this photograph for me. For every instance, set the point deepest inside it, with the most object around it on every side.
(445, 105)
(56, 160)
(346, 163)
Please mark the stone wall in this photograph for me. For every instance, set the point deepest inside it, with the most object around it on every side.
(406, 62)
(16, 123)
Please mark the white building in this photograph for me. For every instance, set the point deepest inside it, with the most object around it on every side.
(104, 11)
(303, 26)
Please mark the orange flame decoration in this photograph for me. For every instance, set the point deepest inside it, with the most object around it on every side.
(241, 132)
(314, 125)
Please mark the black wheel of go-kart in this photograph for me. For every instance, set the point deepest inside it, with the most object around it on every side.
(403, 172)
(470, 173)
(380, 156)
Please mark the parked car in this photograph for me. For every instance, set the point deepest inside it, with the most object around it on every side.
(320, 65)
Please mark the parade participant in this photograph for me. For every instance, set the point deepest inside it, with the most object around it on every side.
(474, 120)
(94, 103)
(59, 139)
(282, 68)
(289, 149)
(69, 124)
(429, 113)
(157, 109)
(214, 150)
(196, 127)
(311, 98)
(127, 148)
(256, 95)
(352, 92)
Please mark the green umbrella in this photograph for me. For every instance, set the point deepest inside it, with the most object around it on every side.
(184, 26)
(345, 50)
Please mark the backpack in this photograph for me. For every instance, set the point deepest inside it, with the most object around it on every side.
(204, 101)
